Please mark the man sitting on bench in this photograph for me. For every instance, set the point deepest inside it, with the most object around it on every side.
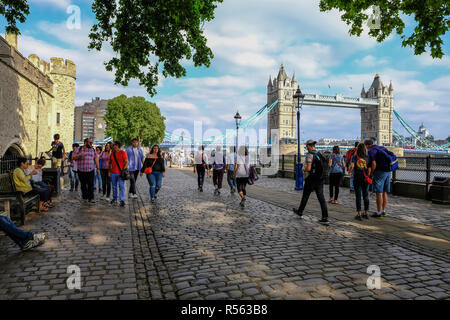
(25, 240)
(22, 183)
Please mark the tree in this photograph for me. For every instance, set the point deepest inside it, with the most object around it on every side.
(134, 117)
(432, 17)
(143, 34)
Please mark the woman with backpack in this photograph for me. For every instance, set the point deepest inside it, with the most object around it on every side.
(361, 181)
(155, 170)
(337, 169)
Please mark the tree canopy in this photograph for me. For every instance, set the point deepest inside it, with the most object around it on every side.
(134, 117)
(431, 16)
(148, 37)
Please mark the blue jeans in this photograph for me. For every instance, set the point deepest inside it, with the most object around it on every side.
(115, 178)
(362, 189)
(381, 181)
(230, 180)
(97, 177)
(74, 179)
(155, 181)
(18, 236)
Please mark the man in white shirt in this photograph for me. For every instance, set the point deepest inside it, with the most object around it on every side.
(200, 166)
(231, 156)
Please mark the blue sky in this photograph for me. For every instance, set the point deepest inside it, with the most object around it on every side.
(250, 39)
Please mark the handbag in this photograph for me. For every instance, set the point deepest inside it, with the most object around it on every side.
(124, 174)
(149, 170)
(367, 179)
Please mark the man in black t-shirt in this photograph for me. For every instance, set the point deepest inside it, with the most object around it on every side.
(58, 152)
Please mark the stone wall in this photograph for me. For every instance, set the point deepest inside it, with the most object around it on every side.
(32, 92)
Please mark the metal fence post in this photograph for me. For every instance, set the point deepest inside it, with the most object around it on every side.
(282, 165)
(428, 177)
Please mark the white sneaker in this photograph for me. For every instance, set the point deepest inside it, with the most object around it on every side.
(33, 244)
(40, 236)
(107, 199)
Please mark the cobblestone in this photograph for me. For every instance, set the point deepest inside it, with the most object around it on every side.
(192, 245)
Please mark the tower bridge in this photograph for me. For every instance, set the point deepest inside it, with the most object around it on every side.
(376, 106)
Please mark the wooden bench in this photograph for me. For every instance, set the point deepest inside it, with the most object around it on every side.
(19, 203)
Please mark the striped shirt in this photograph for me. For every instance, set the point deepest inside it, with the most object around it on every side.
(86, 163)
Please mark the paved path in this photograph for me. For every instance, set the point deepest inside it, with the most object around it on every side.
(193, 245)
(409, 209)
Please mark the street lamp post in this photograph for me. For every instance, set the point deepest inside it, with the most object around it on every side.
(298, 166)
(237, 119)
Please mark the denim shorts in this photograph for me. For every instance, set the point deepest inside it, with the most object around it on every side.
(381, 181)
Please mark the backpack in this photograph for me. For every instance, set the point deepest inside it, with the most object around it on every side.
(390, 161)
(349, 155)
(319, 167)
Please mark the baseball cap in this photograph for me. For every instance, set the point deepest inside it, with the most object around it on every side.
(310, 142)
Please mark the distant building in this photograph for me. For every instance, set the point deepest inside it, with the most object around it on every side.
(37, 99)
(423, 131)
(328, 140)
(89, 120)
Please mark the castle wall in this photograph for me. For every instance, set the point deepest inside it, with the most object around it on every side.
(32, 93)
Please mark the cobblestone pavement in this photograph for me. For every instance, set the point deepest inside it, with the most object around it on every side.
(192, 245)
(211, 249)
(413, 210)
(96, 238)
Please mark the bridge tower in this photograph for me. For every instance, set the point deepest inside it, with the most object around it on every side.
(282, 116)
(376, 121)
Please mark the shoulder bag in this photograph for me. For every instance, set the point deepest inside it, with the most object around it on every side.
(149, 170)
(124, 174)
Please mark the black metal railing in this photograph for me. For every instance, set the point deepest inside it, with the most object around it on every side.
(9, 163)
(411, 169)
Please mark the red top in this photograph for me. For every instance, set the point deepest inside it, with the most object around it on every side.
(121, 156)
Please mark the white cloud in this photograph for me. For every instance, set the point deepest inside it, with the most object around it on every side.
(53, 3)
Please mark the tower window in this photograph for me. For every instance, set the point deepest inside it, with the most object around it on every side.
(58, 118)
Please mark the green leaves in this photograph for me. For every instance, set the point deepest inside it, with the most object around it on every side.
(152, 36)
(13, 11)
(431, 16)
(134, 117)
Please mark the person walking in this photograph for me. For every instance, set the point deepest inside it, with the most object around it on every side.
(348, 160)
(25, 240)
(73, 174)
(118, 162)
(241, 173)
(155, 170)
(380, 169)
(58, 151)
(200, 166)
(337, 170)
(87, 162)
(231, 156)
(218, 161)
(98, 175)
(360, 172)
(135, 161)
(315, 167)
(105, 157)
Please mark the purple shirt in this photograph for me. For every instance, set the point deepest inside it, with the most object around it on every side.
(105, 159)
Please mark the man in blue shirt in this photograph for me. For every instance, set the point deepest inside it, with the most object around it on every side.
(381, 176)
(135, 161)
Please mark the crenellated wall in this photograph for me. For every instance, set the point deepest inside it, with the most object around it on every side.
(32, 93)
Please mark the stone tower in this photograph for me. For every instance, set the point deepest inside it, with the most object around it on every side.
(63, 75)
(282, 116)
(376, 121)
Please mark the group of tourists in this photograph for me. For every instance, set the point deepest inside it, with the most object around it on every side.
(367, 165)
(237, 166)
(110, 167)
